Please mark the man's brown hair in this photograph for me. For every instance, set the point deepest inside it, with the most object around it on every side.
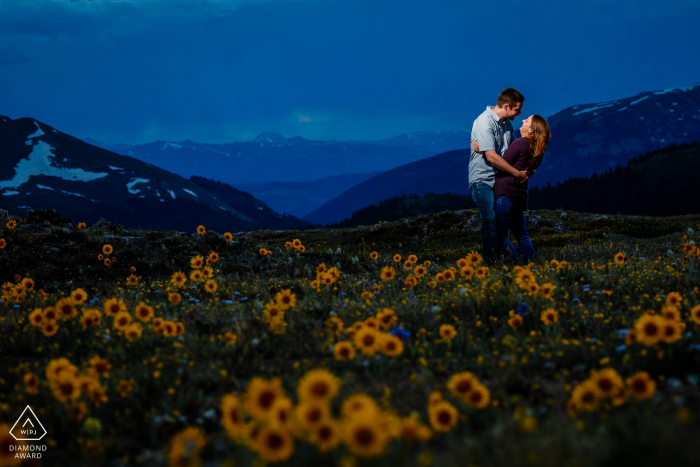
(509, 96)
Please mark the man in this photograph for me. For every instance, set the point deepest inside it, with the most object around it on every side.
(493, 131)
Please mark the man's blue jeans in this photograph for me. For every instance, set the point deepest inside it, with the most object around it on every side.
(511, 218)
(483, 196)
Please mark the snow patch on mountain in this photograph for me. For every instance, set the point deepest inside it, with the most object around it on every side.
(639, 100)
(135, 181)
(37, 133)
(591, 109)
(39, 163)
(73, 194)
(190, 192)
(114, 168)
(42, 187)
(681, 89)
(10, 193)
(172, 145)
(172, 193)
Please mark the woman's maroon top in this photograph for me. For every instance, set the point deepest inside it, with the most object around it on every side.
(518, 155)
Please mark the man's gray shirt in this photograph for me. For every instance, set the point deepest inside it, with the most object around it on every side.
(491, 133)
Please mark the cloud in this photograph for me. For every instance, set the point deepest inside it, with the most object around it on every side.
(303, 118)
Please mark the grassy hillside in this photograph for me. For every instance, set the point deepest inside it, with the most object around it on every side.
(223, 372)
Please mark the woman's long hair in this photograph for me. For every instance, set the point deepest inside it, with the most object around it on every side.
(538, 141)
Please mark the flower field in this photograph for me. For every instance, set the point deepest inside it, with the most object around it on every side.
(354, 347)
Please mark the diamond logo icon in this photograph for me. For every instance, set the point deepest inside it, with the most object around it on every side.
(28, 427)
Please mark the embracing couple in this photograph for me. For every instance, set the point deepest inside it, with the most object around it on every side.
(499, 169)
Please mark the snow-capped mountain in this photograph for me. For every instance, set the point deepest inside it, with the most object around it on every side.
(43, 167)
(594, 137)
(271, 157)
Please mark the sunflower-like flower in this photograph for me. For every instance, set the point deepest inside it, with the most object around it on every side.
(695, 314)
(178, 279)
(461, 384)
(388, 273)
(310, 414)
(107, 249)
(357, 404)
(285, 299)
(481, 272)
(547, 290)
(132, 280)
(65, 386)
(447, 332)
(114, 306)
(641, 385)
(413, 431)
(586, 396)
(143, 312)
(122, 320)
(390, 345)
(443, 416)
(232, 416)
(99, 366)
(318, 385)
(79, 296)
(620, 258)
(474, 258)
(608, 381)
(387, 318)
(186, 446)
(201, 230)
(343, 351)
(515, 321)
(261, 395)
(479, 396)
(549, 316)
(671, 330)
(211, 286)
(174, 298)
(36, 317)
(367, 341)
(325, 435)
(648, 329)
(374, 255)
(273, 443)
(31, 384)
(272, 311)
(27, 283)
(363, 437)
(674, 299)
(66, 309)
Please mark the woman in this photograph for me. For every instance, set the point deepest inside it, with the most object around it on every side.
(525, 153)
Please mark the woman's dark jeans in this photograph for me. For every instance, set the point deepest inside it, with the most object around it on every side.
(511, 218)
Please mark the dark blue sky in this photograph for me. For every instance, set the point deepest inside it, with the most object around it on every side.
(135, 71)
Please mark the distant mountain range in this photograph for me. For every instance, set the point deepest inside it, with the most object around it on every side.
(270, 157)
(585, 139)
(301, 198)
(292, 175)
(42, 167)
